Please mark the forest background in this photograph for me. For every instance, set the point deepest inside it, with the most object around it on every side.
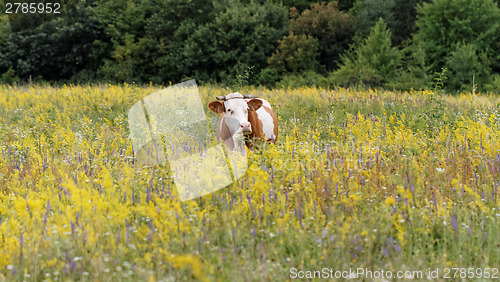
(453, 45)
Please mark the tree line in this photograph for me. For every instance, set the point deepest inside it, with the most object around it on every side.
(397, 44)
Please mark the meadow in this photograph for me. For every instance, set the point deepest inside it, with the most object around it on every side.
(358, 179)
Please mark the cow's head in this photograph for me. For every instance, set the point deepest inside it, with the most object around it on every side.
(235, 109)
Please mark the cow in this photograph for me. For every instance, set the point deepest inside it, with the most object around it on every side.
(244, 117)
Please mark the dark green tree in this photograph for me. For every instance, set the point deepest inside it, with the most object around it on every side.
(413, 73)
(468, 69)
(404, 15)
(366, 14)
(373, 62)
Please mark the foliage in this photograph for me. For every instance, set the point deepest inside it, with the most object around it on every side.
(402, 23)
(345, 5)
(399, 15)
(148, 41)
(367, 13)
(4, 28)
(295, 53)
(326, 23)
(302, 5)
(444, 24)
(356, 179)
(138, 41)
(57, 49)
(183, 32)
(246, 36)
(243, 79)
(131, 45)
(439, 80)
(268, 77)
(494, 85)
(413, 70)
(9, 77)
(467, 67)
(373, 62)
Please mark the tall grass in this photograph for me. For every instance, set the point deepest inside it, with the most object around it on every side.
(371, 179)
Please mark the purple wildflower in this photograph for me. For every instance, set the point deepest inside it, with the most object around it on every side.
(118, 236)
(390, 241)
(152, 229)
(396, 248)
(454, 222)
(434, 201)
(84, 237)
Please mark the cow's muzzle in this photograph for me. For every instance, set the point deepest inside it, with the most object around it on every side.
(246, 127)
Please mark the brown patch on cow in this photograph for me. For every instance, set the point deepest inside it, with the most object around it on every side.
(257, 129)
(254, 104)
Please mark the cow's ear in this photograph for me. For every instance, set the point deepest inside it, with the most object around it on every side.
(216, 107)
(254, 104)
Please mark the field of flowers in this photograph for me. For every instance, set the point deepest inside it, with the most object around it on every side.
(370, 179)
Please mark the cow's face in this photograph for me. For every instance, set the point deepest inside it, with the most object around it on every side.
(235, 112)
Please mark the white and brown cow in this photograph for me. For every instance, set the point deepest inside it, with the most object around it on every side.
(244, 117)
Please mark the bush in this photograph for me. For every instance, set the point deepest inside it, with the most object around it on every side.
(330, 26)
(9, 77)
(296, 53)
(268, 77)
(354, 74)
